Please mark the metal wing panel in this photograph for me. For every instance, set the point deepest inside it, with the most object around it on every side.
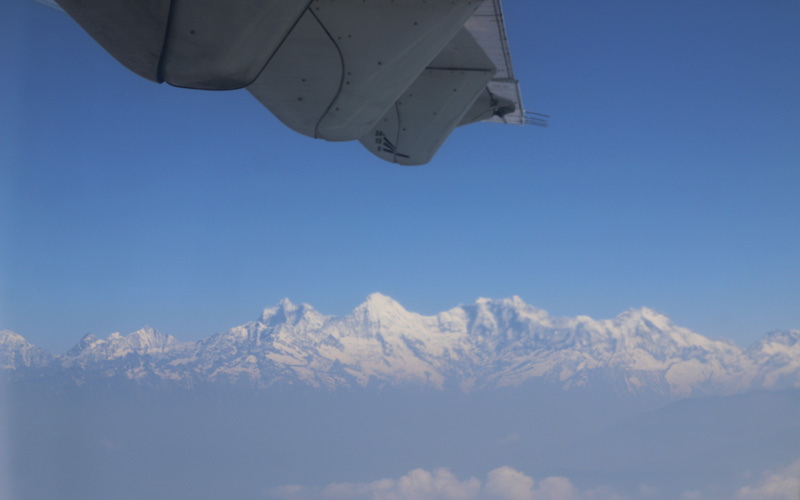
(412, 131)
(221, 45)
(302, 79)
(488, 27)
(385, 45)
(415, 128)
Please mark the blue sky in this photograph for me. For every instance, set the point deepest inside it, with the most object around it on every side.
(668, 178)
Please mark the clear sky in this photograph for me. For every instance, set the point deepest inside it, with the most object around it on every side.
(669, 177)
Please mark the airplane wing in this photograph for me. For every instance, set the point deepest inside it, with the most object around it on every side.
(397, 75)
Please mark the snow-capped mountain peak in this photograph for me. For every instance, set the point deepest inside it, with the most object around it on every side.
(9, 338)
(144, 342)
(278, 313)
(288, 313)
(148, 339)
(86, 342)
(16, 352)
(776, 360)
(780, 341)
(379, 315)
(644, 316)
(378, 305)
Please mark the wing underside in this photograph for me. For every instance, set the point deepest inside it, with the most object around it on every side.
(398, 76)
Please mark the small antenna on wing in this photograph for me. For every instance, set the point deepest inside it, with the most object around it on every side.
(532, 118)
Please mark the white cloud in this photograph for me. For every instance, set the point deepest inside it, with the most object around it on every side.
(504, 483)
(781, 485)
(417, 484)
(507, 483)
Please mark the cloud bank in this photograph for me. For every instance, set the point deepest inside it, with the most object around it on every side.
(507, 483)
(783, 484)
(504, 483)
(780, 484)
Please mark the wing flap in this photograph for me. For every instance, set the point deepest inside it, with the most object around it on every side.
(487, 25)
(412, 131)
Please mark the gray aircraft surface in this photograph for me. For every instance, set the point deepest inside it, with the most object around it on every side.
(396, 75)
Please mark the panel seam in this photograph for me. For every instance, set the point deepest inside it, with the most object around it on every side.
(341, 77)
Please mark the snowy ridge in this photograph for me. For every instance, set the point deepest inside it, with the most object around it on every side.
(140, 355)
(776, 361)
(491, 343)
(16, 352)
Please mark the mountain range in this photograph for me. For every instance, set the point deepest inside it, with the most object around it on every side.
(488, 344)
